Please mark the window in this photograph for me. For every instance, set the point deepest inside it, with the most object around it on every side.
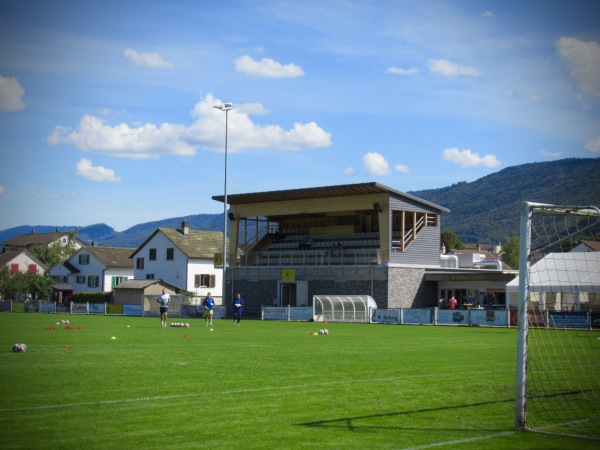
(149, 276)
(117, 280)
(60, 279)
(14, 268)
(93, 281)
(84, 259)
(152, 256)
(204, 280)
(32, 268)
(170, 254)
(80, 279)
(139, 263)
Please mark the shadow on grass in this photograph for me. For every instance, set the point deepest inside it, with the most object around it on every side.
(349, 422)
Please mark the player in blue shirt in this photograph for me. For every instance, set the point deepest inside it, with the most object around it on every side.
(238, 303)
(209, 304)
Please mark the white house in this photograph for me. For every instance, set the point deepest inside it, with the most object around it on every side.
(183, 258)
(94, 269)
(21, 261)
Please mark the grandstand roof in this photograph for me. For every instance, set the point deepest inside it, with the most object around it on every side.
(319, 192)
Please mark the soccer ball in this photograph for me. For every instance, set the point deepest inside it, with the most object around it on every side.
(187, 325)
(19, 348)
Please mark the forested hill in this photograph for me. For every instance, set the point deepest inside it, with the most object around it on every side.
(487, 210)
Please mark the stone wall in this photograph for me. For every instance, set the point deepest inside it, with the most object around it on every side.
(392, 287)
(407, 289)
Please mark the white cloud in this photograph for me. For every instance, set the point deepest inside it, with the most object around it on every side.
(11, 94)
(350, 170)
(550, 154)
(85, 169)
(93, 134)
(145, 141)
(2, 190)
(581, 61)
(593, 145)
(401, 71)
(267, 67)
(401, 168)
(376, 164)
(153, 60)
(466, 158)
(488, 14)
(450, 69)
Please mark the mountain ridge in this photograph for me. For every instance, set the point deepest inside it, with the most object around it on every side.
(482, 211)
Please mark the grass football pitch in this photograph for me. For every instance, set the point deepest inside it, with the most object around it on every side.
(125, 382)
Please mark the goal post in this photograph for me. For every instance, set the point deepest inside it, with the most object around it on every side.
(558, 350)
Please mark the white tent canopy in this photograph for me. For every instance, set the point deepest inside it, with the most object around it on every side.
(563, 272)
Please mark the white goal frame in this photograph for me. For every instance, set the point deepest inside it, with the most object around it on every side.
(529, 252)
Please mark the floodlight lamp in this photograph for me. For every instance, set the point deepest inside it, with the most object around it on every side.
(224, 107)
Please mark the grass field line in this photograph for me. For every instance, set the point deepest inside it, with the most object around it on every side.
(461, 441)
(203, 393)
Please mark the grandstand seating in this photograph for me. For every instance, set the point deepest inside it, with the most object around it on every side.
(286, 249)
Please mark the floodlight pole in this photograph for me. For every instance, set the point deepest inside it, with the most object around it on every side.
(225, 107)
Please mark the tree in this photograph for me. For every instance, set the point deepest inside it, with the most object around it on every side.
(511, 252)
(4, 281)
(450, 240)
(55, 252)
(39, 286)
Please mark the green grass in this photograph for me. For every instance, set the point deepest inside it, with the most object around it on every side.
(263, 385)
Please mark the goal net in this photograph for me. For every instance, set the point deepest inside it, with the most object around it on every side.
(558, 361)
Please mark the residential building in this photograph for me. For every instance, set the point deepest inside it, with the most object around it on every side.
(27, 241)
(94, 269)
(21, 261)
(182, 257)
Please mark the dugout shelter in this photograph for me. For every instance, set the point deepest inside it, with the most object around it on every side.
(343, 308)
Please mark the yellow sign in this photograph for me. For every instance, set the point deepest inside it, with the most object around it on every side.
(288, 275)
(218, 260)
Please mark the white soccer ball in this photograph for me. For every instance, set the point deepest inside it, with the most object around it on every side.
(187, 325)
(19, 348)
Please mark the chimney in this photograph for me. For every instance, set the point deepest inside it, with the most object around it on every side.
(32, 231)
(478, 247)
(185, 227)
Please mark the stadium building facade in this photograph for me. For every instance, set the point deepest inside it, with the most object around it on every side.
(357, 239)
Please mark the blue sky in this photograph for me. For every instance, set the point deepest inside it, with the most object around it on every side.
(107, 108)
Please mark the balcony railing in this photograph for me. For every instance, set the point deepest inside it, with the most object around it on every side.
(309, 258)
